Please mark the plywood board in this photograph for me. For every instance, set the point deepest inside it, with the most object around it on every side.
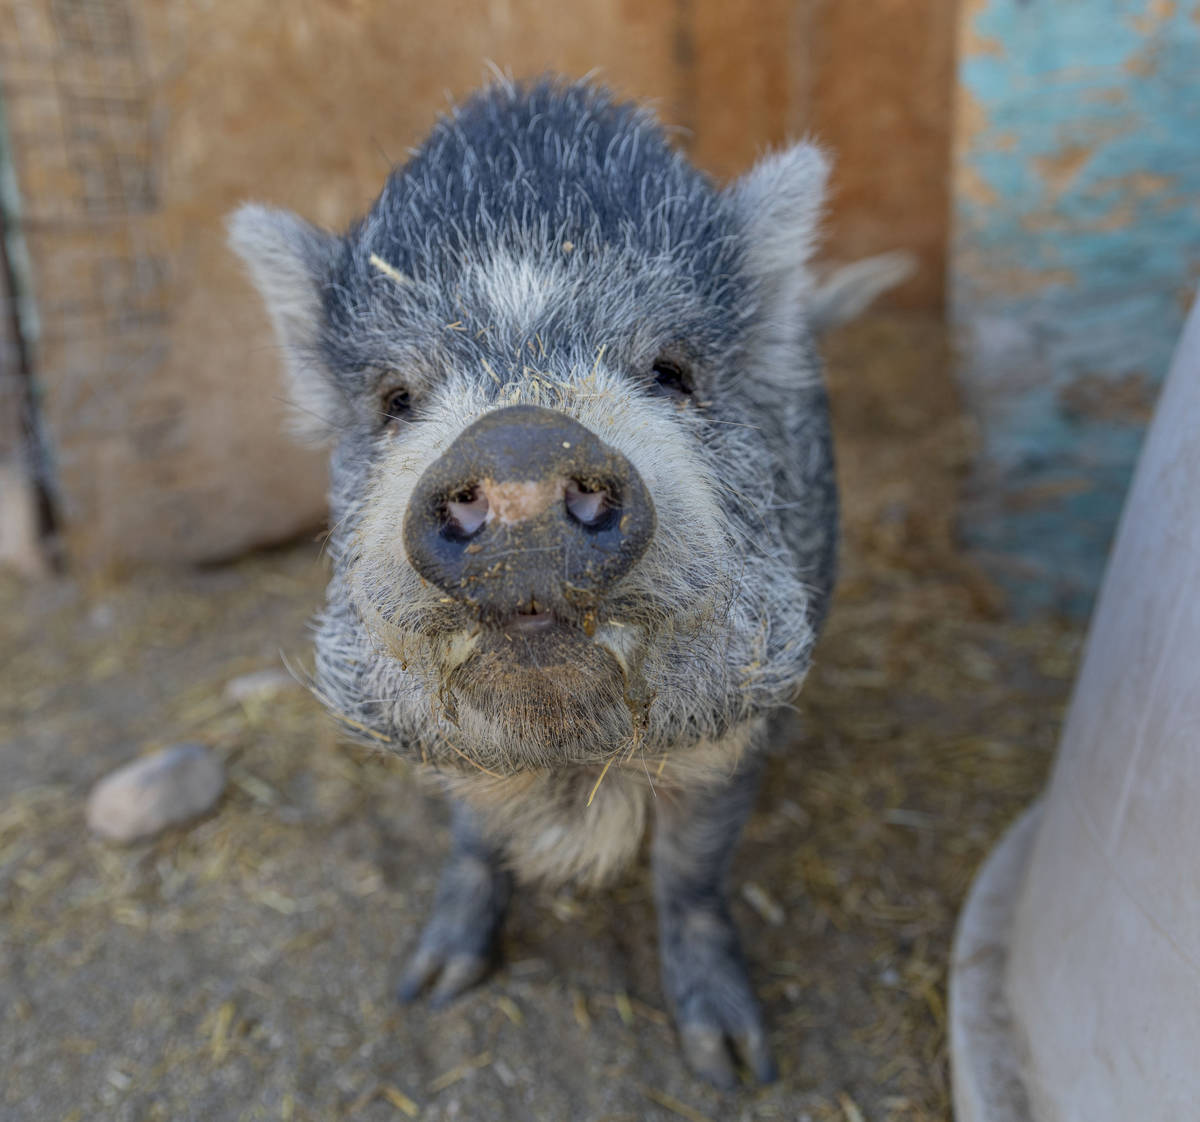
(881, 95)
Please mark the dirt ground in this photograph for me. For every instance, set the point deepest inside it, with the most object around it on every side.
(242, 968)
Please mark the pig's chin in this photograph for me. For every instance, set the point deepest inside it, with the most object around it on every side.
(538, 690)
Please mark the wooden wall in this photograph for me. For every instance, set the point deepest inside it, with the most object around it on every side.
(138, 124)
(882, 95)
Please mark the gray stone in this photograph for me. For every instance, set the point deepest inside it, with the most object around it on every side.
(162, 789)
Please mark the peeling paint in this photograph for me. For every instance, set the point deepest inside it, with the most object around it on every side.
(1147, 22)
(1060, 169)
(1071, 246)
(1128, 399)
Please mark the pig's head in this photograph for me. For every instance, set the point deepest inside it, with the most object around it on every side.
(581, 482)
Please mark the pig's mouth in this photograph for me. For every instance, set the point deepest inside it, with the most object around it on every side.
(528, 623)
(542, 680)
(539, 642)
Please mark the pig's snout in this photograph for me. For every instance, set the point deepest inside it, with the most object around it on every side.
(528, 512)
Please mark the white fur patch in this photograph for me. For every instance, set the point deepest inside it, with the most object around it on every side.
(515, 290)
(551, 834)
(586, 825)
(622, 641)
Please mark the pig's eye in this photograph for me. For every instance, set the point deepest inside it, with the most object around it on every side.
(396, 405)
(672, 377)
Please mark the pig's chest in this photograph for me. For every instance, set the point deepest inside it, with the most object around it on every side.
(556, 827)
(586, 824)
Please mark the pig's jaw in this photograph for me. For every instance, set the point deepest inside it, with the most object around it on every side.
(469, 698)
(543, 689)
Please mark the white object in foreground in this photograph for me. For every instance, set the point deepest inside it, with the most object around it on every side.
(1103, 963)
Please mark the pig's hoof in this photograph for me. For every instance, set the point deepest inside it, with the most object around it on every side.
(715, 1009)
(458, 945)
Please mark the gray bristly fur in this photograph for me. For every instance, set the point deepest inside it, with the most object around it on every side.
(547, 245)
(490, 308)
(704, 975)
(458, 944)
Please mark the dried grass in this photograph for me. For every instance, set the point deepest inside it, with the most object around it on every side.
(241, 968)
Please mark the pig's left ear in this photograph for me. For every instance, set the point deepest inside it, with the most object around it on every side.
(290, 261)
(779, 202)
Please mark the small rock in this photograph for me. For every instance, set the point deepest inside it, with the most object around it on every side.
(154, 792)
(102, 616)
(259, 686)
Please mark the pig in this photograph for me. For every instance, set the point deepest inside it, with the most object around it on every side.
(583, 506)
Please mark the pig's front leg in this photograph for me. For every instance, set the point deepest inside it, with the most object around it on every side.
(702, 968)
(458, 943)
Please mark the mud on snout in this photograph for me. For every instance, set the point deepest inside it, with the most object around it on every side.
(532, 562)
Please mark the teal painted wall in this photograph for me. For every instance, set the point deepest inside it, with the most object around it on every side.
(1075, 254)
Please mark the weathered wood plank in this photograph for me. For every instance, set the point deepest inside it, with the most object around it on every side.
(1076, 249)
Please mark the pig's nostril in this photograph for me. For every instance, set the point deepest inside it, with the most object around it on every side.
(589, 505)
(465, 513)
(528, 510)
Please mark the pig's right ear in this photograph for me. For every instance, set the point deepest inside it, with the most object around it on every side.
(289, 261)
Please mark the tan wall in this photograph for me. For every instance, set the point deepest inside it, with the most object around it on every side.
(873, 82)
(138, 125)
